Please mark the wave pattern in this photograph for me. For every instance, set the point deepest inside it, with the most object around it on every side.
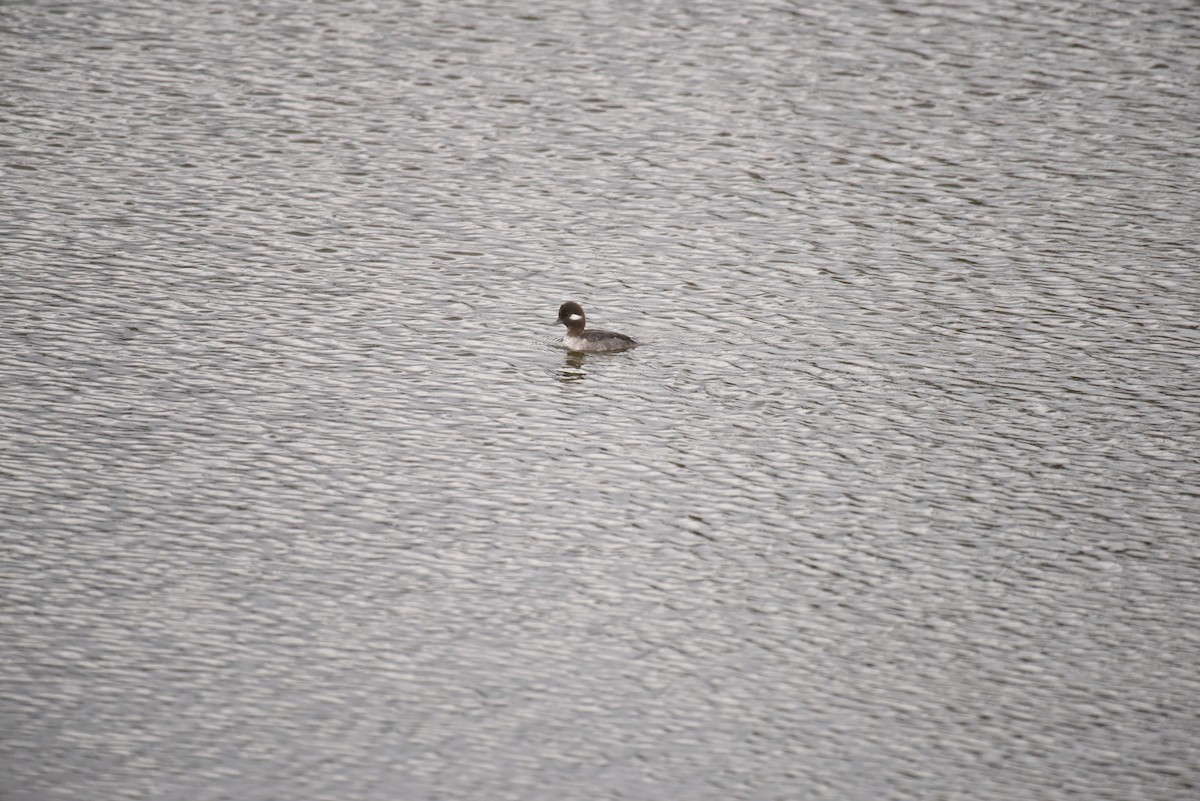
(300, 496)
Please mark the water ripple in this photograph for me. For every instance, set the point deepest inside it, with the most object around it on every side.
(301, 495)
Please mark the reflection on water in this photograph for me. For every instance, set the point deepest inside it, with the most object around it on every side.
(572, 369)
(900, 504)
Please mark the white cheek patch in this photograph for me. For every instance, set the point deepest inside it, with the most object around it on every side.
(574, 317)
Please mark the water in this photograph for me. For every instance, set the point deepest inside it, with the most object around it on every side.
(301, 499)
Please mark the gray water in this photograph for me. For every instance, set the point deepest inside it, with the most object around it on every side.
(301, 498)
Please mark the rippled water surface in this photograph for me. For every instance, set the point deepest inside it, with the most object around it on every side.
(300, 497)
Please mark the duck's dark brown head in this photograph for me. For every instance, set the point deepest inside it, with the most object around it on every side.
(570, 314)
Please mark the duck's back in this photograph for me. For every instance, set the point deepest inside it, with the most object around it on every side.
(597, 340)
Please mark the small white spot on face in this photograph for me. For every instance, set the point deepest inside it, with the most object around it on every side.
(574, 317)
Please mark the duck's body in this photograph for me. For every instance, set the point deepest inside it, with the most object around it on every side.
(579, 338)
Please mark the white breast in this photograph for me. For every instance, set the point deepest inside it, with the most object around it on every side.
(571, 342)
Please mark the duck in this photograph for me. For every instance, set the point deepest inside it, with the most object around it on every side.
(580, 338)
